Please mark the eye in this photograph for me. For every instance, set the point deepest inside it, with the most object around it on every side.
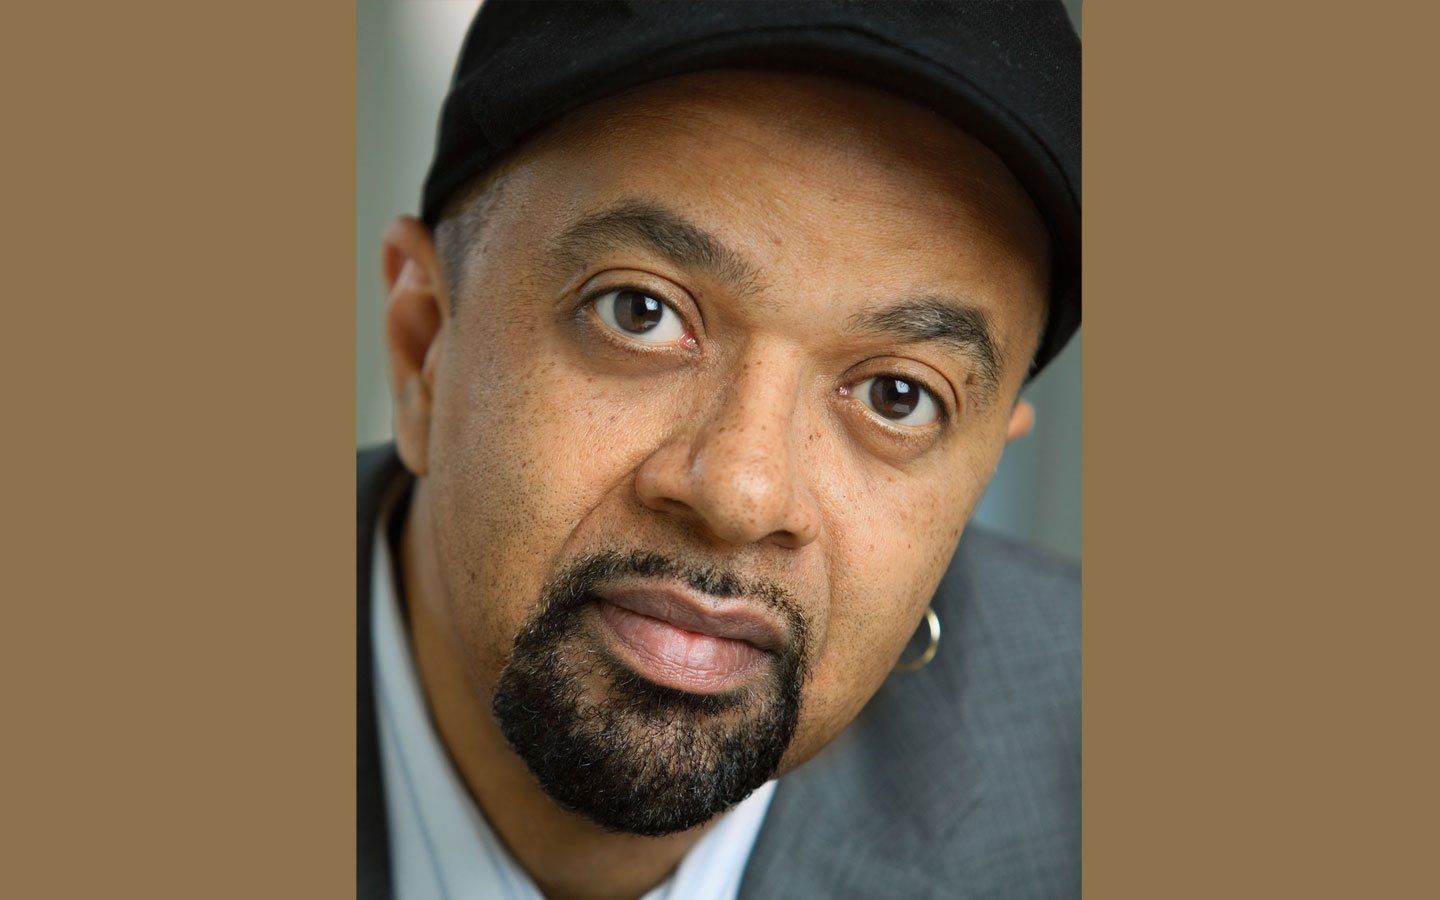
(898, 400)
(639, 316)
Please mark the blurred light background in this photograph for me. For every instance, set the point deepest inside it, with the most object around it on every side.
(404, 55)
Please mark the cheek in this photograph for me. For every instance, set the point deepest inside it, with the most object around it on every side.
(526, 449)
(893, 536)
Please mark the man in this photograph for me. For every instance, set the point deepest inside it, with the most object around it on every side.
(704, 351)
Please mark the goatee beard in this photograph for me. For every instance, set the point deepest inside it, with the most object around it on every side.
(640, 757)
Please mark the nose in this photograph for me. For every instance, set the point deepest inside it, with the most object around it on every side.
(734, 470)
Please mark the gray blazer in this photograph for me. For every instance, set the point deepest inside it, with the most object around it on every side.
(961, 780)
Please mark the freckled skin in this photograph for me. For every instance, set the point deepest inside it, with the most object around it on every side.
(537, 440)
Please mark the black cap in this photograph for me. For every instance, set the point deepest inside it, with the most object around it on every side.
(1006, 72)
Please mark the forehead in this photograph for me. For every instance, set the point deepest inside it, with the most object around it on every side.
(800, 175)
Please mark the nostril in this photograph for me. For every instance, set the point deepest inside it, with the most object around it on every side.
(787, 539)
(671, 506)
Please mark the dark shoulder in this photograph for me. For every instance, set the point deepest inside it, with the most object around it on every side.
(1014, 590)
(376, 470)
(375, 467)
(1009, 662)
(995, 558)
(1012, 612)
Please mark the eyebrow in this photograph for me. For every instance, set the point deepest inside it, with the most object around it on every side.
(649, 226)
(958, 324)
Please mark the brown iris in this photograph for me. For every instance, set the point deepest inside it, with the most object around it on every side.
(893, 398)
(637, 313)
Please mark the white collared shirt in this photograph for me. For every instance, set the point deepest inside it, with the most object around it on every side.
(441, 846)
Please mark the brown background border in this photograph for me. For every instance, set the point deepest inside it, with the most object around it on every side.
(178, 641)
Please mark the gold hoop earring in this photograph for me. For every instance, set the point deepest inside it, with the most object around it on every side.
(920, 661)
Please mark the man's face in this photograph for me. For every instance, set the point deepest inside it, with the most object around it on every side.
(730, 364)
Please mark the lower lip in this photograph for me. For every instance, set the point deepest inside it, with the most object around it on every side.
(680, 659)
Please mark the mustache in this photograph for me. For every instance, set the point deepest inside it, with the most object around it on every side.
(580, 579)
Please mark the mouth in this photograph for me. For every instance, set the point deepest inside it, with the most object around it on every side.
(679, 638)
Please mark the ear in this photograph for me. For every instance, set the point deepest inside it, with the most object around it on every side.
(416, 316)
(1021, 421)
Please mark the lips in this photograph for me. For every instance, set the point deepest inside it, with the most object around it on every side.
(686, 640)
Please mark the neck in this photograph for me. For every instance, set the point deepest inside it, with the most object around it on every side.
(568, 857)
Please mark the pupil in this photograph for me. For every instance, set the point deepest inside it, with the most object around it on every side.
(891, 397)
(636, 312)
